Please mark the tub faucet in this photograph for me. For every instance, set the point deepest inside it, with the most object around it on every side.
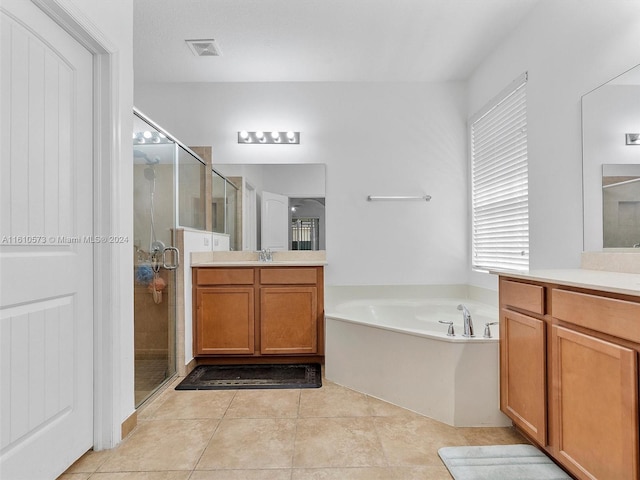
(468, 324)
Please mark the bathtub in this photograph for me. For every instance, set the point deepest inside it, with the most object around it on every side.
(395, 349)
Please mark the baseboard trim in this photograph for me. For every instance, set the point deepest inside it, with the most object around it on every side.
(188, 368)
(129, 424)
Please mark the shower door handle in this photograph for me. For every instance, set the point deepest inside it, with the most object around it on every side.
(175, 260)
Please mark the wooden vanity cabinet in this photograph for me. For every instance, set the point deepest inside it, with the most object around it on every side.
(288, 311)
(259, 312)
(523, 358)
(224, 311)
(596, 396)
(586, 396)
(595, 378)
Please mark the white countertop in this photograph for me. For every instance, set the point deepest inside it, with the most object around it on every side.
(256, 263)
(286, 258)
(614, 282)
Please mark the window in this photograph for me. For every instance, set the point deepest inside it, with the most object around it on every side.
(499, 182)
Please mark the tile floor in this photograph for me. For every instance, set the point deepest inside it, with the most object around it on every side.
(331, 433)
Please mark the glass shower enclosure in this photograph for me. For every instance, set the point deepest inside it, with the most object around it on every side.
(168, 192)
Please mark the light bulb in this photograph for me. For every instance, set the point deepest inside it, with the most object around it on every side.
(147, 134)
(244, 134)
(259, 135)
(275, 136)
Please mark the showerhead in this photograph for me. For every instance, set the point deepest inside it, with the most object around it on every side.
(150, 173)
(140, 154)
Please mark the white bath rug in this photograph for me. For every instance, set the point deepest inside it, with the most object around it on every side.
(500, 462)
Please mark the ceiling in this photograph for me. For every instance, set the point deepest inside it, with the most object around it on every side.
(320, 40)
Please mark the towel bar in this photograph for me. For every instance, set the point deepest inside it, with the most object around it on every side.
(372, 198)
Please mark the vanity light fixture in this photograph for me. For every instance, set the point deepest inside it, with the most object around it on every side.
(632, 138)
(274, 137)
(140, 138)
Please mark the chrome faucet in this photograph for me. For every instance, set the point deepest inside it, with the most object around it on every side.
(266, 255)
(468, 324)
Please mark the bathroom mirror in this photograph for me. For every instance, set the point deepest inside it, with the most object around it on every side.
(301, 188)
(609, 113)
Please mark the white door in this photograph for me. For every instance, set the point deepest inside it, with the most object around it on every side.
(250, 224)
(46, 249)
(274, 224)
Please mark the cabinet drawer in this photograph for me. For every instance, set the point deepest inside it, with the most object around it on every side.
(224, 276)
(522, 295)
(607, 315)
(291, 276)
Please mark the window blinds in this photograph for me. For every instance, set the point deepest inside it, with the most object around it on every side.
(499, 182)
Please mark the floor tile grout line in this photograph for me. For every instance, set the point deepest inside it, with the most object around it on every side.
(195, 465)
(372, 419)
(295, 434)
(384, 451)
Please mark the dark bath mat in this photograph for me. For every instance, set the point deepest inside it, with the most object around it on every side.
(231, 377)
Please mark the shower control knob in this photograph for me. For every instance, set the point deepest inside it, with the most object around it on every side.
(157, 246)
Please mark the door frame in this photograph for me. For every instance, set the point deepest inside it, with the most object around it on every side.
(106, 216)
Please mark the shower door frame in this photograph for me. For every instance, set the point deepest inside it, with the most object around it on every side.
(173, 310)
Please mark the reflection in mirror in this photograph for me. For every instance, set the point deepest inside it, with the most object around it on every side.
(608, 113)
(621, 205)
(218, 195)
(280, 206)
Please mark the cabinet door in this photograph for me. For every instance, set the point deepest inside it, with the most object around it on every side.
(523, 373)
(596, 392)
(225, 320)
(288, 320)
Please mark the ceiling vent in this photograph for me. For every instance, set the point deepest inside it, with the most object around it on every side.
(204, 48)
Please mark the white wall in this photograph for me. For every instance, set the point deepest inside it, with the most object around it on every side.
(568, 47)
(375, 138)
